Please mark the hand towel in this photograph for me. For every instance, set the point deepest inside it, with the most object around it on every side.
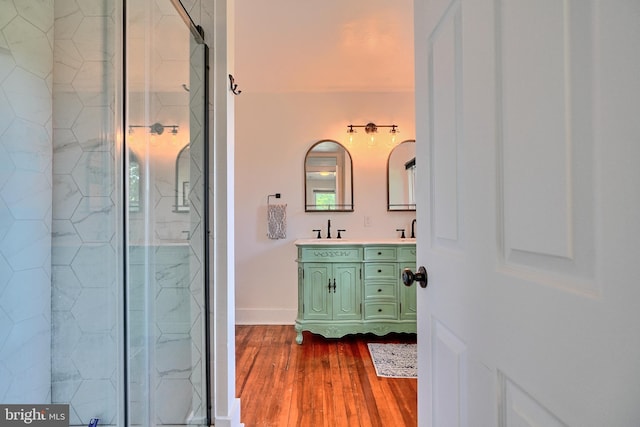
(277, 221)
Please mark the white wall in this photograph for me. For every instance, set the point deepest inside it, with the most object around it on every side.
(273, 133)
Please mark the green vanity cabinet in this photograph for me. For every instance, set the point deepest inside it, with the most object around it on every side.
(408, 304)
(346, 288)
(332, 291)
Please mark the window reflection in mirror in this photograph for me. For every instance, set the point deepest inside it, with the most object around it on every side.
(134, 183)
(328, 178)
(401, 172)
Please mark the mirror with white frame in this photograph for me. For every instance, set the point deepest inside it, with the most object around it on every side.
(328, 174)
(401, 173)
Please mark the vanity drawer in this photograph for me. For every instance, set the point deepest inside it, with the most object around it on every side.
(380, 270)
(380, 290)
(330, 254)
(407, 253)
(380, 310)
(381, 253)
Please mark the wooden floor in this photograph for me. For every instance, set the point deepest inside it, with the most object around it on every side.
(323, 382)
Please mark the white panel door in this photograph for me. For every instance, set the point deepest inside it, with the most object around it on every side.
(528, 149)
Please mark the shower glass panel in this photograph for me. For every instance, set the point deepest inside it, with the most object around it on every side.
(166, 323)
(86, 268)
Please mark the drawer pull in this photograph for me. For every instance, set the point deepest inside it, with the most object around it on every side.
(379, 271)
(379, 310)
(379, 290)
(379, 253)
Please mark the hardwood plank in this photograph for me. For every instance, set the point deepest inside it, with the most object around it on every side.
(323, 382)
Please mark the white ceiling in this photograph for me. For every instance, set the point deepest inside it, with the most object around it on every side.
(324, 46)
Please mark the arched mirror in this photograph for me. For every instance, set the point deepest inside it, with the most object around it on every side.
(182, 179)
(328, 175)
(401, 173)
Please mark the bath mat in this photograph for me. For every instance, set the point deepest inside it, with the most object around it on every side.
(394, 360)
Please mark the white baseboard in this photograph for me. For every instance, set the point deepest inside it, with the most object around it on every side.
(232, 419)
(265, 316)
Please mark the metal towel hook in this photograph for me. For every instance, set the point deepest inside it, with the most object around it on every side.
(233, 86)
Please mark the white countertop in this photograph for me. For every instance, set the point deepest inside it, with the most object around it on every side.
(334, 242)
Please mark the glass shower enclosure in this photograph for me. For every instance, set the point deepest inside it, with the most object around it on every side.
(103, 211)
(165, 219)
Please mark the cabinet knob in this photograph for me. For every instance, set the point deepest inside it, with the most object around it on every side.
(379, 253)
(379, 290)
(408, 277)
(379, 271)
(379, 310)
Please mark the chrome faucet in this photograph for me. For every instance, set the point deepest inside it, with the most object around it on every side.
(413, 232)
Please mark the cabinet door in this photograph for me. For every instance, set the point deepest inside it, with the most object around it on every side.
(408, 307)
(317, 296)
(347, 297)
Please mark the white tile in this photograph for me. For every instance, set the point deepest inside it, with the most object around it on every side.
(30, 47)
(6, 112)
(95, 399)
(90, 76)
(90, 128)
(65, 337)
(93, 310)
(6, 378)
(94, 38)
(174, 398)
(7, 63)
(37, 12)
(66, 196)
(27, 295)
(63, 8)
(26, 245)
(95, 356)
(173, 356)
(32, 337)
(7, 12)
(173, 310)
(27, 194)
(68, 21)
(95, 265)
(66, 289)
(66, 107)
(93, 174)
(7, 168)
(28, 145)
(6, 221)
(28, 95)
(97, 7)
(94, 219)
(65, 154)
(65, 380)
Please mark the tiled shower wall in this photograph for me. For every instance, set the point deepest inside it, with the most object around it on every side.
(26, 58)
(84, 260)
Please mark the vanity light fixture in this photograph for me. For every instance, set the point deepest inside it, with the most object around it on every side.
(156, 128)
(371, 129)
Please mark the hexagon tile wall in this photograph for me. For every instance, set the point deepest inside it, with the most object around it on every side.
(26, 60)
